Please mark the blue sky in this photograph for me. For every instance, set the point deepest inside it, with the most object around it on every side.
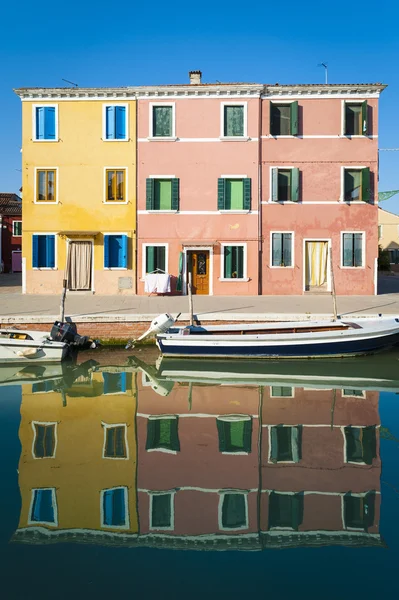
(129, 43)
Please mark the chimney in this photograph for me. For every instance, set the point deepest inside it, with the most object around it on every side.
(195, 77)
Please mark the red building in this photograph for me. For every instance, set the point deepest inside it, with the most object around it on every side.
(10, 233)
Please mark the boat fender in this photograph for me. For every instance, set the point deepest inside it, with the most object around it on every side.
(27, 352)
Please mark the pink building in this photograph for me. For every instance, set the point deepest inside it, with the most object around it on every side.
(207, 153)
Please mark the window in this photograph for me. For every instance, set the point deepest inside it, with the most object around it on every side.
(359, 511)
(115, 122)
(163, 121)
(393, 256)
(115, 185)
(285, 185)
(44, 440)
(45, 123)
(282, 250)
(285, 444)
(235, 433)
(155, 258)
(379, 232)
(46, 185)
(284, 118)
(356, 121)
(233, 120)
(357, 185)
(17, 228)
(278, 391)
(360, 444)
(162, 434)
(162, 194)
(234, 194)
(115, 251)
(43, 251)
(234, 511)
(233, 262)
(352, 250)
(285, 510)
(43, 506)
(115, 441)
(42, 387)
(114, 383)
(114, 507)
(161, 513)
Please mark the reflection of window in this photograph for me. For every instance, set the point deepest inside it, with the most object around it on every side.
(360, 444)
(43, 507)
(393, 256)
(279, 391)
(115, 441)
(162, 434)
(42, 386)
(285, 444)
(353, 393)
(359, 510)
(235, 433)
(114, 507)
(114, 383)
(234, 511)
(285, 510)
(161, 513)
(44, 442)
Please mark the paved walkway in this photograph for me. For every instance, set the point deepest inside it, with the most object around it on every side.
(17, 307)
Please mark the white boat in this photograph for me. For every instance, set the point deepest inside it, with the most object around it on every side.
(24, 346)
(302, 339)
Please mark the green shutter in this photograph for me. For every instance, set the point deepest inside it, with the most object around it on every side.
(294, 118)
(273, 445)
(274, 193)
(151, 434)
(150, 194)
(294, 185)
(271, 118)
(175, 194)
(240, 261)
(150, 259)
(365, 120)
(247, 435)
(297, 510)
(369, 444)
(222, 435)
(247, 193)
(228, 262)
(221, 193)
(369, 508)
(174, 434)
(366, 195)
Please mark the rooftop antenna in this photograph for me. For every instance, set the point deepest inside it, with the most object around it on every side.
(324, 64)
(71, 82)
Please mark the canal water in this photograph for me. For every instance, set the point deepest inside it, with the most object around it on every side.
(130, 476)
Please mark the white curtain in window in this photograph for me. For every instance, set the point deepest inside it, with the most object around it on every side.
(316, 262)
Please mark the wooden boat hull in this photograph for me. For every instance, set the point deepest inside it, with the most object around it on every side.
(370, 337)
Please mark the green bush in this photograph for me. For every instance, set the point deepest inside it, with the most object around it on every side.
(383, 260)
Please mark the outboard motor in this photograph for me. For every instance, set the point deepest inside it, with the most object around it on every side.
(67, 332)
(160, 324)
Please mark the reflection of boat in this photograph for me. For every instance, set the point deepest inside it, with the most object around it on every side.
(301, 339)
(52, 375)
(377, 373)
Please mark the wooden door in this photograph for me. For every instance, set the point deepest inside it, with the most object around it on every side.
(198, 265)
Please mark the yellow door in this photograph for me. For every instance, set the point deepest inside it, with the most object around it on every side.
(198, 265)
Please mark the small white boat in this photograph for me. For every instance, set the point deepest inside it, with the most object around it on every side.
(302, 339)
(23, 346)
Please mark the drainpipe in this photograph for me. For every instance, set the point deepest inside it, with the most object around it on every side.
(1, 232)
(260, 286)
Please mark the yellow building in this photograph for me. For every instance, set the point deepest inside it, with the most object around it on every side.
(388, 236)
(78, 465)
(79, 190)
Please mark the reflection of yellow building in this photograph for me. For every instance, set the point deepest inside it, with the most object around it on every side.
(79, 189)
(77, 472)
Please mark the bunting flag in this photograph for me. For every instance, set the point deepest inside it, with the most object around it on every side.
(386, 195)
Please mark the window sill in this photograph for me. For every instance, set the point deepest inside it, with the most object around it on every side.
(45, 202)
(116, 140)
(115, 269)
(41, 141)
(342, 267)
(163, 212)
(235, 280)
(291, 136)
(349, 136)
(44, 268)
(232, 138)
(162, 139)
(281, 266)
(340, 201)
(284, 202)
(115, 202)
(234, 212)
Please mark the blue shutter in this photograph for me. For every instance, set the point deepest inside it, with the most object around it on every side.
(35, 251)
(106, 251)
(120, 122)
(49, 123)
(110, 122)
(114, 248)
(40, 123)
(50, 251)
(123, 380)
(124, 251)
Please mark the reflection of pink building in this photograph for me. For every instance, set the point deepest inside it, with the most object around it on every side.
(207, 153)
(312, 477)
